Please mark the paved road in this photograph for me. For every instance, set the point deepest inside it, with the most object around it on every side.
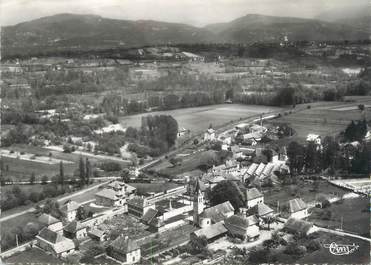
(69, 196)
(341, 233)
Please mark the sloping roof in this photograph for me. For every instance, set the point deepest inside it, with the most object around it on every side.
(70, 206)
(149, 215)
(252, 168)
(268, 169)
(137, 201)
(211, 231)
(261, 209)
(297, 205)
(60, 243)
(253, 194)
(218, 212)
(199, 185)
(107, 193)
(47, 219)
(242, 221)
(96, 232)
(50, 236)
(260, 169)
(124, 245)
(73, 227)
(116, 184)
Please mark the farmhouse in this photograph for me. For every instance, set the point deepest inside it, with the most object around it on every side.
(168, 214)
(138, 206)
(51, 222)
(98, 235)
(209, 135)
(261, 210)
(298, 209)
(55, 243)
(125, 250)
(69, 208)
(211, 232)
(120, 186)
(75, 230)
(253, 197)
(245, 228)
(216, 214)
(314, 138)
(110, 198)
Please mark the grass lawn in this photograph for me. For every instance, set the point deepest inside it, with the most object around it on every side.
(301, 189)
(323, 256)
(320, 120)
(189, 163)
(8, 226)
(355, 214)
(198, 119)
(21, 170)
(32, 255)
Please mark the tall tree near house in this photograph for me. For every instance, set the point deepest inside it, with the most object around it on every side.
(82, 171)
(295, 153)
(32, 178)
(312, 158)
(87, 171)
(61, 174)
(330, 151)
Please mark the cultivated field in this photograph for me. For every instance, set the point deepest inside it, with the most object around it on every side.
(198, 119)
(21, 170)
(324, 118)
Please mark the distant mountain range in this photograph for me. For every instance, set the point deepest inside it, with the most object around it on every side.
(72, 31)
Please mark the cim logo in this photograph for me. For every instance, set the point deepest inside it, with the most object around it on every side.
(340, 249)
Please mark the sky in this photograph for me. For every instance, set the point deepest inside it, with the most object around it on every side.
(194, 12)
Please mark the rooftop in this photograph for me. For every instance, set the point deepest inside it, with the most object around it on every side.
(218, 212)
(107, 193)
(261, 209)
(253, 194)
(242, 221)
(211, 231)
(124, 245)
(297, 205)
(47, 219)
(70, 206)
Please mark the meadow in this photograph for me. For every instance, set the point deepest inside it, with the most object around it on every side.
(324, 118)
(198, 119)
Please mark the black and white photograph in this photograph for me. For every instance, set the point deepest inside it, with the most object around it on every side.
(185, 132)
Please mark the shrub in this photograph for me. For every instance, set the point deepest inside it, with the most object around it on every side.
(313, 245)
(294, 249)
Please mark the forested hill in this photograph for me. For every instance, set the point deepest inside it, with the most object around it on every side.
(81, 32)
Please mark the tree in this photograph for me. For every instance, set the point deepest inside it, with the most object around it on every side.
(32, 178)
(295, 153)
(258, 256)
(82, 171)
(44, 180)
(329, 154)
(61, 174)
(227, 191)
(82, 213)
(312, 158)
(197, 245)
(125, 175)
(87, 171)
